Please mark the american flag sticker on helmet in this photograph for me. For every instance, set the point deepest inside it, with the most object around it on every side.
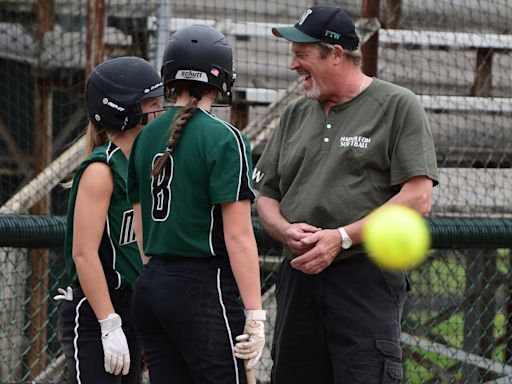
(215, 72)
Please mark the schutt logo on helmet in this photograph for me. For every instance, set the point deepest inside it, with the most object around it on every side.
(192, 75)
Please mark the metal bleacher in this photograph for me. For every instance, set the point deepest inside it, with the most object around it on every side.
(457, 64)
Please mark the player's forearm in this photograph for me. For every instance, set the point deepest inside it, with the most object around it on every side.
(271, 218)
(93, 283)
(242, 251)
(243, 257)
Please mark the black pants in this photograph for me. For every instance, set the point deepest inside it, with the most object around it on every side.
(341, 326)
(80, 335)
(187, 313)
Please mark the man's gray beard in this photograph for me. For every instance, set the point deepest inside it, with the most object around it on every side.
(314, 92)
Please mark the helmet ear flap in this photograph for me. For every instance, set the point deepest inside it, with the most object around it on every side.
(233, 77)
(227, 95)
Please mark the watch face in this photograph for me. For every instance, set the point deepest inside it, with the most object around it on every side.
(346, 241)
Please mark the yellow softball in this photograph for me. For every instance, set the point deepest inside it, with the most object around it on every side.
(396, 237)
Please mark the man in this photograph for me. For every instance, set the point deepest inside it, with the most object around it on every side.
(352, 144)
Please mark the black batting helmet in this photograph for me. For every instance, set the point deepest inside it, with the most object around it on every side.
(199, 54)
(115, 88)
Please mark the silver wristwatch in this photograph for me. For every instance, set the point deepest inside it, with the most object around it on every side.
(346, 241)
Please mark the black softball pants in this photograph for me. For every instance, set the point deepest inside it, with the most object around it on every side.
(188, 313)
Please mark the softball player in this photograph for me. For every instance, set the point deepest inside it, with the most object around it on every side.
(96, 331)
(189, 180)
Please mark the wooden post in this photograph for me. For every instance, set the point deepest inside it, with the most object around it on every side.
(39, 259)
(483, 75)
(393, 14)
(239, 111)
(18, 154)
(481, 309)
(95, 24)
(371, 8)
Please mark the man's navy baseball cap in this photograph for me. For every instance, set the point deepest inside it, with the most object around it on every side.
(327, 23)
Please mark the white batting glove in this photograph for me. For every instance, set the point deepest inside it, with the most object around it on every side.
(65, 294)
(250, 344)
(115, 346)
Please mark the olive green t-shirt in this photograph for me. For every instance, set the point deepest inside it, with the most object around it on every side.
(332, 172)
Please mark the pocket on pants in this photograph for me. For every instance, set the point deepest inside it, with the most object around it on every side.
(376, 361)
(392, 353)
(393, 372)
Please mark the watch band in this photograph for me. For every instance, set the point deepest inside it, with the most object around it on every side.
(346, 241)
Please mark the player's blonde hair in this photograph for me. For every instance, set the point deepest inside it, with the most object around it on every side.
(94, 137)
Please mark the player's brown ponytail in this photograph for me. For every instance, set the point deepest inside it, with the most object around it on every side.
(177, 128)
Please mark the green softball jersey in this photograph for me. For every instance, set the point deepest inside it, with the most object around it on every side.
(211, 165)
(330, 172)
(118, 251)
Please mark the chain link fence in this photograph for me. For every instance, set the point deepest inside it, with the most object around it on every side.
(457, 322)
(29, 345)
